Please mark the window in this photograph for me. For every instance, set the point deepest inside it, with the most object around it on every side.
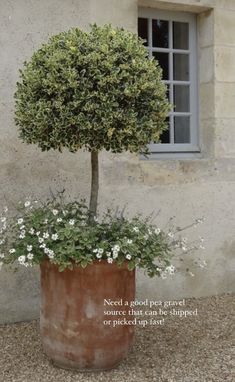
(171, 39)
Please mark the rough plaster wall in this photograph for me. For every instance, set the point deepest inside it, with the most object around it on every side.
(185, 188)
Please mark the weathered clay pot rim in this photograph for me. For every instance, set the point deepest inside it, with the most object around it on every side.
(94, 263)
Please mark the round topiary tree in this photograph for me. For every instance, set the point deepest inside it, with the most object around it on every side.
(94, 90)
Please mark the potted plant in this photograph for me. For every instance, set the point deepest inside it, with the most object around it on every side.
(93, 90)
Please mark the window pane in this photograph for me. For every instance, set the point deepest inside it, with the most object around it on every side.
(181, 98)
(163, 59)
(181, 129)
(180, 35)
(143, 29)
(181, 67)
(160, 32)
(165, 136)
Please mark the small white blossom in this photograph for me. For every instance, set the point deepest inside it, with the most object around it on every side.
(71, 221)
(31, 231)
(3, 219)
(170, 269)
(64, 212)
(29, 248)
(184, 249)
(95, 250)
(146, 237)
(99, 255)
(116, 248)
(12, 250)
(30, 256)
(201, 247)
(135, 229)
(129, 241)
(22, 235)
(20, 221)
(59, 220)
(45, 221)
(42, 245)
(22, 259)
(45, 235)
(171, 235)
(115, 254)
(40, 240)
(150, 232)
(27, 204)
(108, 254)
(22, 227)
(191, 274)
(2, 241)
(54, 236)
(51, 254)
(109, 260)
(46, 250)
(38, 233)
(55, 212)
(128, 256)
(157, 231)
(101, 251)
(5, 209)
(2, 255)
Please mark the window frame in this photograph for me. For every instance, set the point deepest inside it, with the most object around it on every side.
(171, 16)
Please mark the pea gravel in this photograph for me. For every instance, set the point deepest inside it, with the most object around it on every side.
(193, 349)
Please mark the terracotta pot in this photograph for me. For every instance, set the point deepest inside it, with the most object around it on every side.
(72, 315)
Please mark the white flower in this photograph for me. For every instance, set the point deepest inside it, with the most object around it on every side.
(95, 250)
(38, 233)
(3, 219)
(201, 247)
(115, 254)
(129, 241)
(12, 250)
(100, 251)
(46, 250)
(184, 248)
(191, 274)
(2, 241)
(2, 255)
(109, 260)
(22, 235)
(45, 221)
(27, 204)
(128, 256)
(59, 220)
(29, 248)
(20, 221)
(42, 245)
(150, 232)
(55, 212)
(157, 231)
(22, 227)
(64, 212)
(71, 221)
(99, 255)
(40, 240)
(51, 254)
(54, 236)
(170, 269)
(135, 229)
(45, 235)
(22, 259)
(116, 248)
(30, 256)
(108, 254)
(171, 235)
(146, 237)
(5, 209)
(31, 231)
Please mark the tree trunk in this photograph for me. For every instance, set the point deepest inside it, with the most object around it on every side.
(94, 184)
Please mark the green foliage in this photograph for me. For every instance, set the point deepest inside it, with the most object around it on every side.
(96, 90)
(64, 235)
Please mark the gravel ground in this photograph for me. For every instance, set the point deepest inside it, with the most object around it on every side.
(193, 349)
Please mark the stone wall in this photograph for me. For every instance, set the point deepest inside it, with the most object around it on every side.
(185, 188)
